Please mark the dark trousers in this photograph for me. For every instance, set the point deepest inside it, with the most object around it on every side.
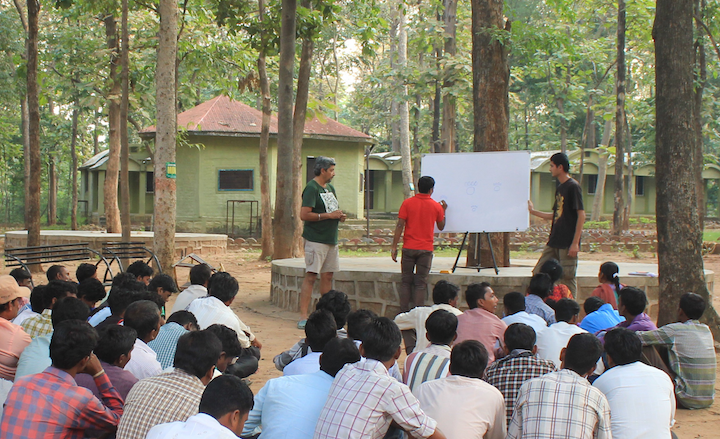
(246, 364)
(415, 266)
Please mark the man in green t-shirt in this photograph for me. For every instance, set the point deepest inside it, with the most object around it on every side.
(321, 214)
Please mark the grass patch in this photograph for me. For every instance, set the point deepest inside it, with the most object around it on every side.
(711, 235)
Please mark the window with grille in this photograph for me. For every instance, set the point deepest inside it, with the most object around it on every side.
(149, 182)
(235, 180)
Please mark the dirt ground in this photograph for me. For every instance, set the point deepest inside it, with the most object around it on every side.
(276, 329)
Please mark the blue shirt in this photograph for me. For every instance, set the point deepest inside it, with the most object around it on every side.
(605, 317)
(535, 305)
(289, 407)
(165, 343)
(35, 358)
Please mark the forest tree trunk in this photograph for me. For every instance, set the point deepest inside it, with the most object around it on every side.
(700, 81)
(110, 188)
(33, 98)
(620, 124)
(73, 172)
(449, 105)
(124, 147)
(265, 204)
(52, 190)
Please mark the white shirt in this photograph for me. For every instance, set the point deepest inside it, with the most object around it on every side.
(182, 301)
(100, 316)
(26, 314)
(464, 408)
(200, 426)
(415, 319)
(556, 337)
(642, 401)
(211, 310)
(310, 363)
(533, 320)
(143, 361)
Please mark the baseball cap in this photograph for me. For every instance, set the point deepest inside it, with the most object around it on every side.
(10, 290)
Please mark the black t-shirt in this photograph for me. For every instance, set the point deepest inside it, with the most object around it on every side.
(568, 200)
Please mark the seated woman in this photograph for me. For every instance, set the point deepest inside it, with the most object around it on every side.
(610, 284)
(553, 269)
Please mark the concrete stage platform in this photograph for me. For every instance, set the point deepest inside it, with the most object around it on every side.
(185, 243)
(374, 282)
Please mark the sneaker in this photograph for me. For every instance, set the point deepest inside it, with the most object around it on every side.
(301, 324)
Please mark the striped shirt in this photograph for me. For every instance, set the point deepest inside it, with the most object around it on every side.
(691, 353)
(428, 364)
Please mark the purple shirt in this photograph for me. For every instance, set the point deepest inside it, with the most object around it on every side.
(120, 378)
(641, 322)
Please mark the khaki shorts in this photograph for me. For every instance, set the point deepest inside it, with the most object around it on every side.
(321, 258)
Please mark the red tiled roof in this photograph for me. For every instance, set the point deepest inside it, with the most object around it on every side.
(223, 115)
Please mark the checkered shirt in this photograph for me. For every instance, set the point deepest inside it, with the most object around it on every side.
(168, 397)
(560, 405)
(165, 343)
(39, 325)
(364, 399)
(51, 405)
(509, 373)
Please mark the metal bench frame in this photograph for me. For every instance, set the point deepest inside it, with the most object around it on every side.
(119, 251)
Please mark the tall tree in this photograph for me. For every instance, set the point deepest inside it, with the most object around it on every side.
(124, 147)
(73, 171)
(449, 107)
(620, 123)
(33, 99)
(110, 188)
(403, 108)
(165, 136)
(265, 204)
(25, 124)
(700, 81)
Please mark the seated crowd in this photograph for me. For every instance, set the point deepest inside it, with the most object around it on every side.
(71, 369)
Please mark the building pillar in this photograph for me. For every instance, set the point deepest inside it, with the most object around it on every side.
(141, 192)
(388, 189)
(101, 193)
(92, 187)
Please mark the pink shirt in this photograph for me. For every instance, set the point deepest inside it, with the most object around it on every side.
(481, 325)
(13, 340)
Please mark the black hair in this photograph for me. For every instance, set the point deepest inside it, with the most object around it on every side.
(127, 280)
(53, 271)
(582, 353)
(69, 308)
(610, 271)
(91, 290)
(57, 289)
(425, 184)
(143, 316)
(540, 285)
(164, 281)
(592, 304)
(200, 274)
(224, 395)
(115, 340)
(72, 340)
(514, 302)
(552, 268)
(444, 292)
(475, 292)
(623, 346)
(320, 329)
(337, 353)
(154, 297)
(633, 299)
(565, 310)
(561, 159)
(120, 298)
(85, 271)
(140, 269)
(182, 318)
(197, 352)
(223, 286)
(357, 322)
(37, 299)
(381, 339)
(441, 327)
(228, 338)
(338, 304)
(693, 305)
(323, 163)
(469, 359)
(20, 274)
(520, 336)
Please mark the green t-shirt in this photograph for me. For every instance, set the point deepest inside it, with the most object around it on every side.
(322, 200)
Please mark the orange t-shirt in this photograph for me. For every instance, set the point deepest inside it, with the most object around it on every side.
(13, 340)
(420, 214)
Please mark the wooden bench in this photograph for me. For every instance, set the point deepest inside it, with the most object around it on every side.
(124, 251)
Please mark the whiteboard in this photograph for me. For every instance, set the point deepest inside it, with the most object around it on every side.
(485, 191)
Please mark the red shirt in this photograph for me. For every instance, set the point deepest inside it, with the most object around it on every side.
(420, 214)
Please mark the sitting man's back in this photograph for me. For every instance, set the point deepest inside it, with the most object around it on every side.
(432, 362)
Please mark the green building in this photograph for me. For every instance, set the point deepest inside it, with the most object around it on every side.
(218, 168)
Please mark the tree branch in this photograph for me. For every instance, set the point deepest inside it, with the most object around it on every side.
(709, 34)
(21, 13)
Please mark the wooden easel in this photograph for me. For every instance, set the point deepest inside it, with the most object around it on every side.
(476, 253)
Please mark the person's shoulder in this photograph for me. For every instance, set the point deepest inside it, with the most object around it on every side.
(163, 431)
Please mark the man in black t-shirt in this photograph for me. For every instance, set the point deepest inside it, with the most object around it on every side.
(568, 217)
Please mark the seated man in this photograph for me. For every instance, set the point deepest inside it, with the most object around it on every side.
(231, 351)
(338, 304)
(364, 399)
(433, 362)
(58, 272)
(480, 322)
(50, 404)
(289, 407)
(514, 304)
(144, 317)
(22, 277)
(599, 315)
(463, 405)
(36, 356)
(445, 296)
(118, 302)
(121, 281)
(540, 287)
(199, 277)
(319, 330)
(357, 321)
(224, 408)
(41, 324)
(518, 365)
(691, 353)
(142, 271)
(165, 287)
(113, 350)
(181, 388)
(632, 304)
(86, 271)
(641, 397)
(563, 405)
(177, 325)
(551, 341)
(91, 291)
(13, 340)
(34, 307)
